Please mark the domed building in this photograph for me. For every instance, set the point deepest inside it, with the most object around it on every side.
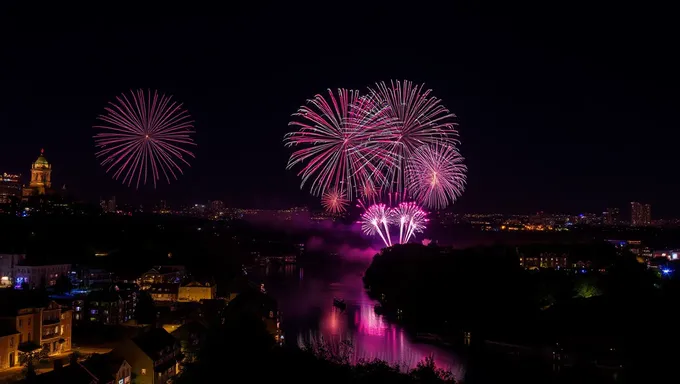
(41, 177)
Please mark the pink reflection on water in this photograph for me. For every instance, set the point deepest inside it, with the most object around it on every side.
(368, 322)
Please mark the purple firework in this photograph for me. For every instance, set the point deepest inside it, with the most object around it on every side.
(143, 136)
(437, 175)
(336, 142)
(415, 118)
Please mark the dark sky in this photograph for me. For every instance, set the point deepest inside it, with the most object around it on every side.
(560, 109)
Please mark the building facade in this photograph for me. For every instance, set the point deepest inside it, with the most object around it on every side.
(8, 263)
(10, 188)
(9, 344)
(640, 214)
(38, 275)
(196, 291)
(154, 356)
(44, 326)
(164, 292)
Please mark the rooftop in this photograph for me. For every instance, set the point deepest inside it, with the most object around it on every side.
(154, 341)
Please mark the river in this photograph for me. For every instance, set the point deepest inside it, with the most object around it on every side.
(305, 296)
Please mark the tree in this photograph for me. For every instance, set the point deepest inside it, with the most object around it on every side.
(145, 311)
(587, 288)
(28, 360)
(427, 372)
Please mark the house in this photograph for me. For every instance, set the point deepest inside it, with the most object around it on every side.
(191, 337)
(39, 275)
(98, 369)
(9, 342)
(165, 274)
(40, 323)
(106, 307)
(195, 291)
(164, 292)
(154, 356)
(7, 264)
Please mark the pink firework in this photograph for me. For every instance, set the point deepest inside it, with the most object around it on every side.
(437, 175)
(410, 218)
(144, 136)
(376, 219)
(338, 140)
(415, 118)
(379, 217)
(334, 201)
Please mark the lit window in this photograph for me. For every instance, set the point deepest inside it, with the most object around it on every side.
(143, 371)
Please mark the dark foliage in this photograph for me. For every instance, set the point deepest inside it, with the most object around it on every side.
(145, 311)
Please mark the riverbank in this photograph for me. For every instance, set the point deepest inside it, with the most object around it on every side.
(481, 300)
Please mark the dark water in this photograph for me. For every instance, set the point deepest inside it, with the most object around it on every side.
(305, 296)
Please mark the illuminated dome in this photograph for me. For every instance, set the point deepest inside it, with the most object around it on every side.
(41, 161)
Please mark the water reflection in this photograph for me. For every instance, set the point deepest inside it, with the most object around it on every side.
(306, 300)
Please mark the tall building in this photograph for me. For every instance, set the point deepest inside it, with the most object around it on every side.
(611, 216)
(640, 214)
(41, 177)
(10, 187)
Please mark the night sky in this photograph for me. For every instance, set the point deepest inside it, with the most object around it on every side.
(560, 109)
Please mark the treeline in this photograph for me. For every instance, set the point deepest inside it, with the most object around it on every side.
(485, 291)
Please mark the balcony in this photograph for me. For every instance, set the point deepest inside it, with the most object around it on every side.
(50, 336)
(51, 321)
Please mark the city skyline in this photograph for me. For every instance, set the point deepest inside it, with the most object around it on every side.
(530, 145)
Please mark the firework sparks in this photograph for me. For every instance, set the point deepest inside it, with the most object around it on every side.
(416, 118)
(376, 220)
(437, 175)
(411, 219)
(339, 142)
(334, 201)
(143, 136)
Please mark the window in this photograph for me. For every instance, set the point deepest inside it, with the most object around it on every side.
(21, 339)
(21, 323)
(143, 371)
(11, 341)
(29, 336)
(29, 321)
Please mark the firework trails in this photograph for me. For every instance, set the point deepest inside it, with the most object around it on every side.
(410, 218)
(144, 135)
(334, 201)
(407, 216)
(376, 219)
(437, 175)
(397, 136)
(415, 118)
(338, 140)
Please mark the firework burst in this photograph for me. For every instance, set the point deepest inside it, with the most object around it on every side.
(410, 218)
(339, 140)
(437, 175)
(376, 219)
(144, 136)
(379, 217)
(415, 118)
(334, 201)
